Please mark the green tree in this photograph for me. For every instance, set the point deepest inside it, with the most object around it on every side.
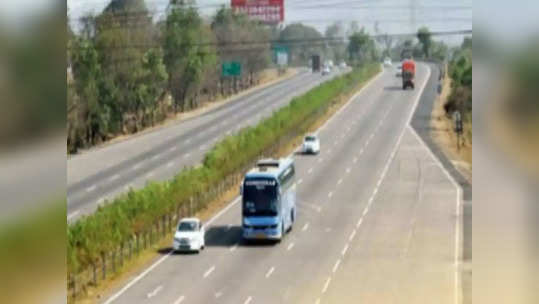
(230, 27)
(92, 112)
(124, 32)
(301, 52)
(424, 36)
(187, 53)
(335, 33)
(359, 46)
(439, 50)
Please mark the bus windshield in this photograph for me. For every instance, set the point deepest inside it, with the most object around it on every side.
(260, 197)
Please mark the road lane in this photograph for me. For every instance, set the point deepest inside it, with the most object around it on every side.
(369, 217)
(159, 155)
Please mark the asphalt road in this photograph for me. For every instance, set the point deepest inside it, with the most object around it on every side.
(103, 173)
(378, 222)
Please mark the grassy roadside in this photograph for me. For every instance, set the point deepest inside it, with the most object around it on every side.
(134, 214)
(442, 132)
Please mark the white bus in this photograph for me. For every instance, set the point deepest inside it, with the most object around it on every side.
(269, 200)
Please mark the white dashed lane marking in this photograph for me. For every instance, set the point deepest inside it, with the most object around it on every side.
(209, 271)
(270, 271)
(154, 292)
(305, 227)
(179, 300)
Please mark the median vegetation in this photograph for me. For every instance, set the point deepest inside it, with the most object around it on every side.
(122, 222)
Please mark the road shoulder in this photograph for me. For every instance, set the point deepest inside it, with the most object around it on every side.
(421, 123)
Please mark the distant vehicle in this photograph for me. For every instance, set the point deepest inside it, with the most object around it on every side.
(330, 63)
(311, 144)
(269, 200)
(387, 62)
(189, 235)
(408, 74)
(315, 61)
(399, 71)
(326, 70)
(343, 65)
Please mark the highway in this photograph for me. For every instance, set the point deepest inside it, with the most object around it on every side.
(104, 172)
(378, 222)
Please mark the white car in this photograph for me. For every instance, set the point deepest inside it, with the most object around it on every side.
(343, 65)
(311, 144)
(189, 235)
(387, 62)
(326, 70)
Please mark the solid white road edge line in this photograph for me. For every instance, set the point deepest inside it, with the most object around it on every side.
(326, 285)
(336, 266)
(73, 214)
(343, 252)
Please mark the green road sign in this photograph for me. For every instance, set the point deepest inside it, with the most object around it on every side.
(280, 54)
(231, 68)
(280, 48)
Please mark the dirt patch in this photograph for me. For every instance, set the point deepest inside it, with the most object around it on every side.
(442, 132)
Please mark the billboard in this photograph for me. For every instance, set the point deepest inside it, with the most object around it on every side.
(267, 11)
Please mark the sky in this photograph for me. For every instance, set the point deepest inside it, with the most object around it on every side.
(392, 16)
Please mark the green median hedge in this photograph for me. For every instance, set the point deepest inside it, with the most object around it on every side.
(117, 222)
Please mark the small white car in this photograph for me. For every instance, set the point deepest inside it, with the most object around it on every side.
(343, 65)
(326, 70)
(189, 235)
(311, 144)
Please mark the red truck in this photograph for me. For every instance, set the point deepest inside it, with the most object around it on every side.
(408, 74)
